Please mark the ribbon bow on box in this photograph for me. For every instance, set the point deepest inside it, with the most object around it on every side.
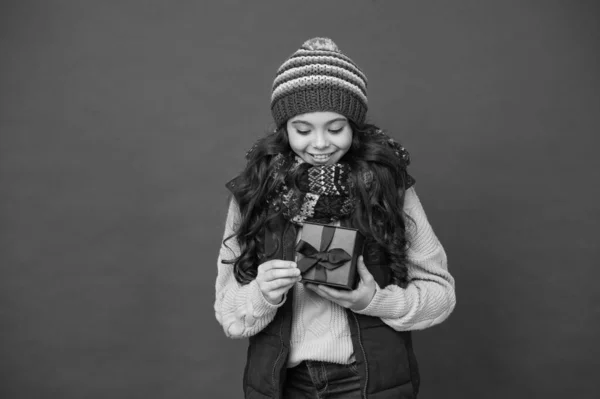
(321, 259)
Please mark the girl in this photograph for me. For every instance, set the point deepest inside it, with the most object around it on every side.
(324, 164)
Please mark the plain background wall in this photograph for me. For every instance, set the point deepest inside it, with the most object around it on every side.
(120, 122)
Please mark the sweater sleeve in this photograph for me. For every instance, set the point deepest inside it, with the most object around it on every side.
(429, 297)
(242, 310)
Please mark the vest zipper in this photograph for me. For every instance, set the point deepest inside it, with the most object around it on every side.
(364, 355)
(273, 380)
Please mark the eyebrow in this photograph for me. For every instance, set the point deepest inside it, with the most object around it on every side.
(327, 123)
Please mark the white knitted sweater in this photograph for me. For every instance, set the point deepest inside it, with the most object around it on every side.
(320, 328)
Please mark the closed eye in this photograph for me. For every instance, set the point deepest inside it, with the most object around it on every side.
(336, 130)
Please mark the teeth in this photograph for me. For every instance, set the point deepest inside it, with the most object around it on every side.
(320, 157)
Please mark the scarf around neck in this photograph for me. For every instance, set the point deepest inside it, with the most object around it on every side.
(325, 191)
(324, 194)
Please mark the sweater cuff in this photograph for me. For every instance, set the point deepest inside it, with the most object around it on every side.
(387, 303)
(260, 306)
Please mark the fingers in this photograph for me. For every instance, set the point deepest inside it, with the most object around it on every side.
(341, 297)
(277, 264)
(281, 283)
(277, 269)
(357, 299)
(363, 272)
(279, 274)
(332, 292)
(274, 290)
(276, 277)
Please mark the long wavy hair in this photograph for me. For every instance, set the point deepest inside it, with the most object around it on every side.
(378, 213)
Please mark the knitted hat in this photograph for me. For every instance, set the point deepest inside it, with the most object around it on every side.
(319, 77)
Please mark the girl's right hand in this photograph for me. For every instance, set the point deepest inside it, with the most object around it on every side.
(275, 277)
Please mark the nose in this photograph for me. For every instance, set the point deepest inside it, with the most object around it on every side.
(321, 140)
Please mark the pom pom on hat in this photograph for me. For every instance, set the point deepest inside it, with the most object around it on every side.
(319, 77)
(320, 43)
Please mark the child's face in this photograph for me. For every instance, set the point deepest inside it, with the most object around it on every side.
(319, 138)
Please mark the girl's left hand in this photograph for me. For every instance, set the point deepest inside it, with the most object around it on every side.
(355, 300)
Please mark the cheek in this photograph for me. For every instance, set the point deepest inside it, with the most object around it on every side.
(345, 141)
(297, 143)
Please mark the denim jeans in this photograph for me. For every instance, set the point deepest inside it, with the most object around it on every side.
(323, 380)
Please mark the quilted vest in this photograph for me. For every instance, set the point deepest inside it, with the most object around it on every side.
(385, 358)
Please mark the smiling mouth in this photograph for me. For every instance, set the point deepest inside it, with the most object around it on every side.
(321, 157)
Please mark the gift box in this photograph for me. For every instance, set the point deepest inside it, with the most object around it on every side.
(328, 255)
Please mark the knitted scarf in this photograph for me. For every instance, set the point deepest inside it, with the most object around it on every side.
(324, 192)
